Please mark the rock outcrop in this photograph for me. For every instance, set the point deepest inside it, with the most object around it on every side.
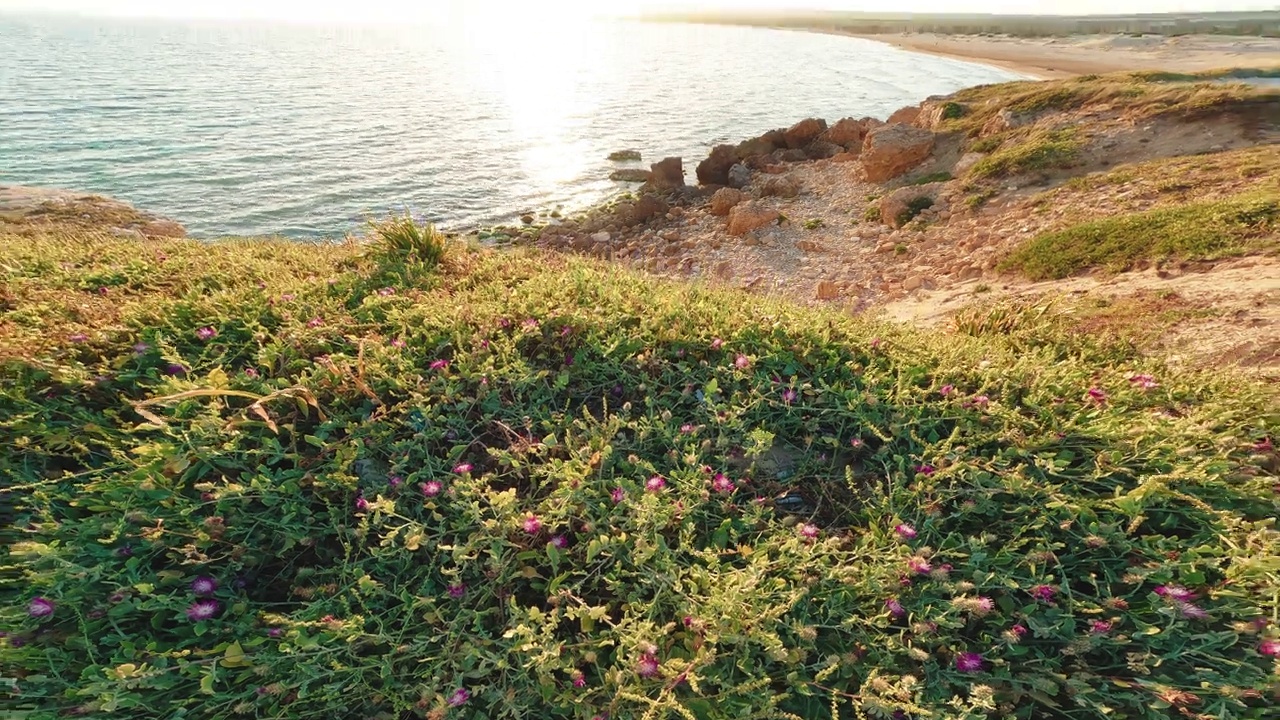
(902, 205)
(25, 205)
(625, 156)
(847, 133)
(893, 149)
(666, 175)
(715, 169)
(739, 176)
(748, 216)
(804, 132)
(629, 175)
(725, 199)
(904, 116)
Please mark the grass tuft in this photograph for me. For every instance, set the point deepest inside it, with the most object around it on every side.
(1044, 150)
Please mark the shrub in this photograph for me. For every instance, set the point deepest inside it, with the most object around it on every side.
(941, 176)
(1192, 231)
(532, 486)
(401, 241)
(813, 223)
(1042, 151)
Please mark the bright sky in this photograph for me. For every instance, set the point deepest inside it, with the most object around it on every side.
(400, 10)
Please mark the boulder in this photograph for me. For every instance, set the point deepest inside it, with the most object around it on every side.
(750, 215)
(724, 200)
(739, 176)
(629, 175)
(625, 156)
(820, 150)
(763, 145)
(715, 169)
(896, 208)
(846, 133)
(666, 175)
(647, 208)
(793, 155)
(783, 186)
(827, 290)
(804, 132)
(891, 150)
(904, 116)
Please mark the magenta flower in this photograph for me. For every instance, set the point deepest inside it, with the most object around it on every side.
(141, 348)
(457, 591)
(655, 483)
(789, 396)
(1264, 446)
(559, 542)
(895, 608)
(875, 343)
(398, 344)
(742, 362)
(275, 632)
(618, 494)
(204, 585)
(905, 531)
(361, 504)
(688, 429)
(1100, 627)
(395, 481)
(1146, 382)
(78, 337)
(386, 291)
(1177, 593)
(1191, 611)
(463, 468)
(717, 344)
(459, 697)
(203, 610)
(857, 443)
(251, 373)
(531, 324)
(925, 470)
(432, 488)
(40, 607)
(315, 322)
(206, 333)
(1270, 648)
(647, 666)
(1097, 395)
(808, 532)
(722, 484)
(919, 566)
(1044, 593)
(969, 662)
(439, 364)
(1018, 630)
(947, 390)
(980, 401)
(532, 525)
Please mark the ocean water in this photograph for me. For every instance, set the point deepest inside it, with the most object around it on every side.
(309, 131)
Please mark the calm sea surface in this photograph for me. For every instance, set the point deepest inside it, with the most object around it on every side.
(308, 131)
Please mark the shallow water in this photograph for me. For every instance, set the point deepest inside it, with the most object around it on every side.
(308, 131)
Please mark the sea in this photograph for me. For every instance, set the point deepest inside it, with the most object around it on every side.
(313, 130)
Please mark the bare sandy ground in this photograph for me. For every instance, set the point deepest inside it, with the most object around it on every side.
(1088, 54)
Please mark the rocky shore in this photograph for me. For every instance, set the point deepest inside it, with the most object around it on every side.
(32, 207)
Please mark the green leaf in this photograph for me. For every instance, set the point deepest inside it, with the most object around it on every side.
(234, 656)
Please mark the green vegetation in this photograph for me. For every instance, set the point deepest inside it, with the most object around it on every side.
(953, 110)
(813, 223)
(914, 207)
(872, 213)
(1193, 231)
(409, 479)
(1044, 150)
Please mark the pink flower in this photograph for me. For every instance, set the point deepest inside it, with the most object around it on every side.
(361, 504)
(717, 344)
(1191, 611)
(925, 470)
(40, 607)
(559, 542)
(1264, 446)
(206, 333)
(789, 396)
(875, 343)
(459, 697)
(647, 666)
(618, 494)
(905, 531)
(1018, 630)
(315, 322)
(1044, 593)
(1269, 647)
(655, 483)
(384, 292)
(857, 443)
(439, 364)
(462, 468)
(531, 323)
(808, 532)
(947, 390)
(457, 591)
(395, 481)
(432, 488)
(1177, 593)
(81, 337)
(688, 429)
(968, 662)
(1097, 395)
(1100, 627)
(398, 344)
(742, 362)
(1146, 382)
(979, 401)
(203, 610)
(895, 607)
(251, 373)
(579, 680)
(919, 566)
(204, 585)
(532, 525)
(722, 484)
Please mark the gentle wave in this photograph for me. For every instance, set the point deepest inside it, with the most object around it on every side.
(308, 131)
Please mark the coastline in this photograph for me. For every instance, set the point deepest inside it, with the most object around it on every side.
(1064, 57)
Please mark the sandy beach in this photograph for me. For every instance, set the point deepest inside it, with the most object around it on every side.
(1059, 57)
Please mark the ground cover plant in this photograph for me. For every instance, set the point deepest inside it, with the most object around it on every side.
(260, 479)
